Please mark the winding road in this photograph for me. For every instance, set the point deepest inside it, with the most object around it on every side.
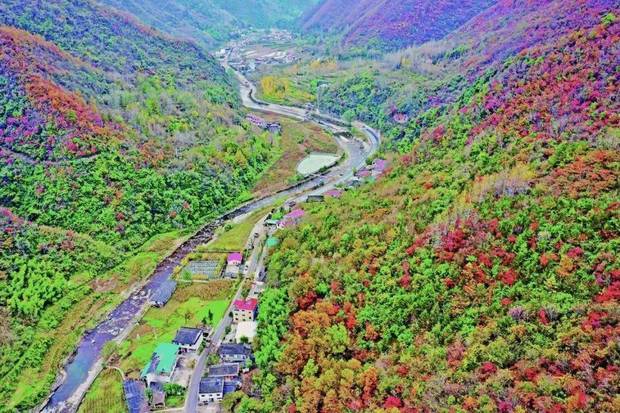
(85, 364)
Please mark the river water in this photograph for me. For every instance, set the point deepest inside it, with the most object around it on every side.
(88, 352)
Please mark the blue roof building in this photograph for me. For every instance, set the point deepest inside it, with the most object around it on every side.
(135, 397)
(234, 353)
(227, 370)
(162, 295)
(211, 390)
(189, 339)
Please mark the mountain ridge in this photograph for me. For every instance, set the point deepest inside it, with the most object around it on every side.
(390, 24)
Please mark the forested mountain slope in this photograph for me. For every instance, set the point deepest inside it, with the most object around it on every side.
(212, 22)
(110, 134)
(202, 20)
(480, 272)
(266, 13)
(391, 24)
(411, 81)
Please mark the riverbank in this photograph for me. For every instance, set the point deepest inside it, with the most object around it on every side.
(89, 350)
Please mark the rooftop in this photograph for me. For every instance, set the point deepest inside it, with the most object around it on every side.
(210, 385)
(224, 369)
(164, 292)
(334, 193)
(187, 336)
(379, 165)
(163, 359)
(272, 242)
(297, 213)
(230, 386)
(235, 256)
(135, 397)
(246, 305)
(363, 173)
(230, 349)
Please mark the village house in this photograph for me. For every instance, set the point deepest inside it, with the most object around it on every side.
(158, 396)
(189, 339)
(363, 173)
(211, 390)
(292, 218)
(272, 242)
(226, 371)
(162, 295)
(379, 166)
(333, 193)
(233, 265)
(234, 353)
(289, 206)
(135, 396)
(275, 128)
(246, 331)
(315, 198)
(234, 258)
(256, 121)
(244, 310)
(271, 223)
(162, 364)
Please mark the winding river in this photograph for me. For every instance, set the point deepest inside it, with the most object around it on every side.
(85, 363)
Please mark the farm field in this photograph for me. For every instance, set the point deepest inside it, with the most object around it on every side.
(297, 140)
(189, 306)
(106, 394)
(235, 236)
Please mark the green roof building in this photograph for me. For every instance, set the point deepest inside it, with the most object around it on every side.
(162, 364)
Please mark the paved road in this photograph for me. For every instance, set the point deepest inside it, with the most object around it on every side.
(82, 368)
(191, 401)
(357, 153)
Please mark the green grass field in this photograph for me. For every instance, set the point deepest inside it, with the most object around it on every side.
(236, 237)
(188, 307)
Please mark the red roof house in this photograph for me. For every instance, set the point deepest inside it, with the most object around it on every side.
(235, 258)
(244, 310)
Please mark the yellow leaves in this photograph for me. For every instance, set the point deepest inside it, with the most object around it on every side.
(506, 183)
(566, 266)
(324, 65)
(273, 86)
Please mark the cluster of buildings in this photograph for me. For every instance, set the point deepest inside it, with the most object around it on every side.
(161, 369)
(247, 53)
(288, 216)
(225, 377)
(272, 127)
(369, 173)
(235, 357)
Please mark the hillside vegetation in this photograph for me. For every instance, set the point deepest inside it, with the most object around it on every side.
(212, 22)
(390, 24)
(406, 84)
(480, 273)
(110, 134)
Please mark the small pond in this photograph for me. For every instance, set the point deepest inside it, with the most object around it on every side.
(315, 162)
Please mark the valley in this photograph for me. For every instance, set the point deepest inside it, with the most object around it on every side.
(309, 206)
(85, 364)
